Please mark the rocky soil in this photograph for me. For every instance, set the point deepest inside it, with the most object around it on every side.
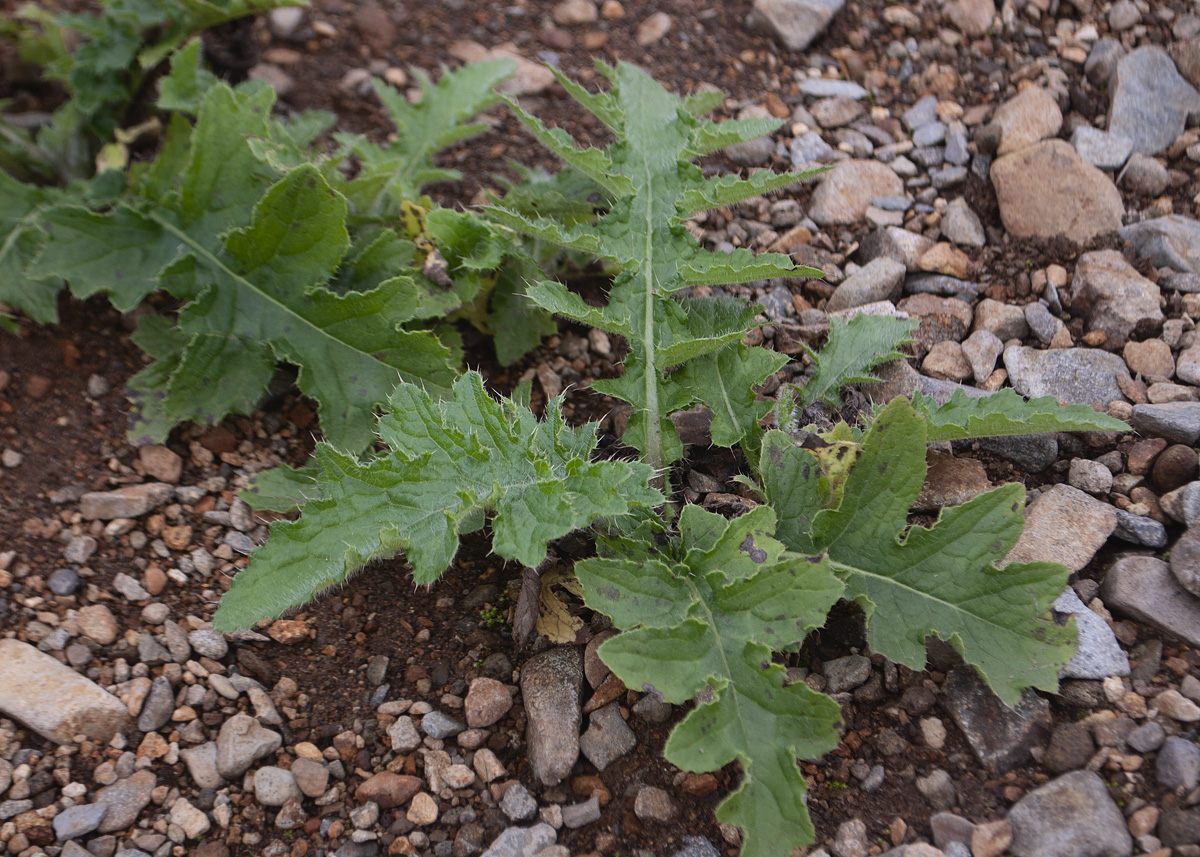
(1021, 178)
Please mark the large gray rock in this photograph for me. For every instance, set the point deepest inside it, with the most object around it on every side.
(1099, 655)
(130, 501)
(522, 841)
(1072, 375)
(1113, 297)
(794, 23)
(201, 762)
(1047, 190)
(879, 280)
(1064, 525)
(125, 800)
(551, 684)
(608, 736)
(848, 189)
(1178, 422)
(54, 700)
(1101, 149)
(1151, 102)
(1172, 241)
(241, 742)
(999, 736)
(1185, 560)
(1178, 764)
(1144, 587)
(1072, 816)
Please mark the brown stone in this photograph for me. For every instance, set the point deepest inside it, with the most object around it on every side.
(388, 789)
(38, 386)
(945, 258)
(1141, 455)
(154, 579)
(947, 361)
(375, 27)
(950, 481)
(991, 839)
(1175, 467)
(161, 463)
(1151, 358)
(1046, 190)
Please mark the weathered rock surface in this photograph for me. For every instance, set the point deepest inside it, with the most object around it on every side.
(1046, 189)
(551, 684)
(54, 700)
(1072, 816)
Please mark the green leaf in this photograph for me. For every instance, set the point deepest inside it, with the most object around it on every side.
(702, 623)
(21, 237)
(121, 253)
(447, 464)
(653, 185)
(281, 489)
(1005, 413)
(423, 129)
(518, 324)
(854, 349)
(725, 381)
(183, 88)
(944, 580)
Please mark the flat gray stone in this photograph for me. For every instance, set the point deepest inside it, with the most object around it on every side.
(1178, 764)
(793, 23)
(1064, 525)
(1172, 241)
(1072, 375)
(843, 674)
(1178, 422)
(80, 820)
(1072, 816)
(130, 501)
(54, 700)
(522, 841)
(1101, 149)
(581, 814)
(608, 736)
(201, 762)
(1144, 587)
(823, 87)
(551, 684)
(1151, 102)
(158, 706)
(518, 804)
(125, 799)
(999, 737)
(1110, 295)
(1099, 655)
(880, 279)
(241, 742)
(1140, 530)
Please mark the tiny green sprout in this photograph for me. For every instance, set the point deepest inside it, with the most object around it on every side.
(491, 617)
(836, 785)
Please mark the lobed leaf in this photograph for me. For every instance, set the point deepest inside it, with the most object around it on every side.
(447, 464)
(1005, 413)
(21, 236)
(653, 185)
(702, 623)
(912, 583)
(853, 349)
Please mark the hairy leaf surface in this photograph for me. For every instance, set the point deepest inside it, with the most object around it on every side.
(402, 169)
(914, 582)
(1006, 413)
(447, 465)
(853, 350)
(652, 185)
(251, 242)
(701, 617)
(20, 238)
